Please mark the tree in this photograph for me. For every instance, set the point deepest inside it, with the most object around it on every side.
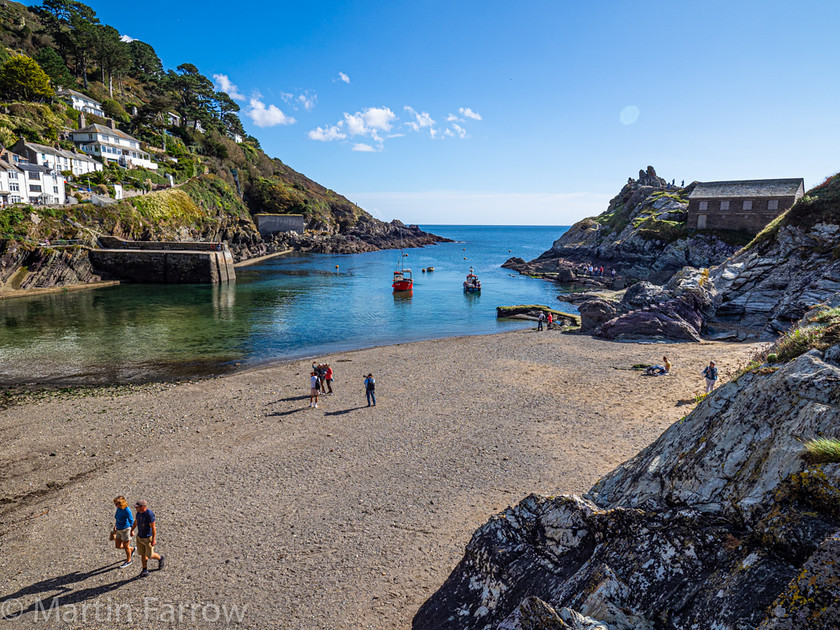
(52, 63)
(112, 53)
(145, 64)
(114, 110)
(194, 92)
(22, 78)
(71, 25)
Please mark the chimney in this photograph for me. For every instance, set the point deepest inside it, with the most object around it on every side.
(82, 120)
(111, 124)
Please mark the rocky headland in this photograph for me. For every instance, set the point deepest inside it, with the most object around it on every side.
(642, 235)
(722, 522)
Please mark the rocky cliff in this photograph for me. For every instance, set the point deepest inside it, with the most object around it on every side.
(642, 234)
(791, 266)
(719, 524)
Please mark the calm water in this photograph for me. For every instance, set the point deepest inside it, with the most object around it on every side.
(289, 307)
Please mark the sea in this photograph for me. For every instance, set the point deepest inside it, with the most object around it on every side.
(290, 307)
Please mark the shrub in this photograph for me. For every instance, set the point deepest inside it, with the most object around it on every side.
(823, 451)
(772, 358)
(22, 78)
(114, 110)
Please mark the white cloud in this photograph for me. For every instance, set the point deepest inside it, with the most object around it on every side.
(127, 39)
(364, 148)
(305, 100)
(343, 78)
(421, 121)
(452, 118)
(459, 131)
(224, 84)
(379, 118)
(269, 116)
(326, 134)
(466, 111)
(629, 115)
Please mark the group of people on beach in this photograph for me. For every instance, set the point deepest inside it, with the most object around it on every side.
(593, 271)
(542, 318)
(125, 524)
(321, 382)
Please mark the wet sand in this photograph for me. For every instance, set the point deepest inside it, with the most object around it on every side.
(338, 517)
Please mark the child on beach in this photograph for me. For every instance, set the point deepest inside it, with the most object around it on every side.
(313, 389)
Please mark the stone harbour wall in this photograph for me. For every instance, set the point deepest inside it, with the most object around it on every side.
(164, 267)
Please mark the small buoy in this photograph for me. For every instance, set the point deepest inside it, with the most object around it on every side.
(424, 270)
(336, 266)
(464, 249)
(465, 257)
(508, 251)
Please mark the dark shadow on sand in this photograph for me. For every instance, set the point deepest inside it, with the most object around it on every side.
(343, 411)
(65, 595)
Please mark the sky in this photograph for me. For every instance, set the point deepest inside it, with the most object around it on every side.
(533, 112)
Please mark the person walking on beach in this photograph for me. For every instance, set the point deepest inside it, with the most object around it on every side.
(313, 389)
(540, 321)
(550, 320)
(146, 528)
(123, 520)
(711, 374)
(328, 376)
(370, 390)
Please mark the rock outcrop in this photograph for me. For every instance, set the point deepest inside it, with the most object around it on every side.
(718, 524)
(642, 235)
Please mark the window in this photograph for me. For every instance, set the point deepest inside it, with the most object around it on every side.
(14, 187)
(15, 199)
(55, 189)
(773, 204)
(704, 205)
(724, 205)
(701, 221)
(34, 188)
(748, 204)
(34, 175)
(12, 175)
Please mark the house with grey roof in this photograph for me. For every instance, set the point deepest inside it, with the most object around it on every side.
(81, 102)
(57, 159)
(11, 179)
(742, 205)
(41, 185)
(109, 143)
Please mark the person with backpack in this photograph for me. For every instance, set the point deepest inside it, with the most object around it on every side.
(711, 374)
(370, 389)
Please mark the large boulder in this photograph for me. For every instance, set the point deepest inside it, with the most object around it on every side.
(596, 311)
(720, 524)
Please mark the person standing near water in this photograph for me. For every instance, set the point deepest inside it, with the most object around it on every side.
(550, 321)
(370, 389)
(313, 389)
(540, 321)
(328, 376)
(711, 374)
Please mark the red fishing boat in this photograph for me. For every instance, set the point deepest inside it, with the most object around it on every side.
(472, 284)
(402, 277)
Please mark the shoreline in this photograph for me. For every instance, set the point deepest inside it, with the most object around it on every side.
(337, 517)
(10, 294)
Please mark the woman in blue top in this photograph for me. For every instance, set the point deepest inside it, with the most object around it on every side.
(123, 520)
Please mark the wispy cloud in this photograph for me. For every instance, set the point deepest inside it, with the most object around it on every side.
(305, 100)
(466, 111)
(343, 78)
(224, 84)
(421, 120)
(267, 115)
(364, 148)
(127, 39)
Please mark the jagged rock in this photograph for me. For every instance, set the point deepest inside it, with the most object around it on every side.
(535, 614)
(515, 262)
(595, 312)
(642, 235)
(718, 524)
(643, 294)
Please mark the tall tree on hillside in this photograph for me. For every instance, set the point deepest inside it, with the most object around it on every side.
(72, 26)
(113, 55)
(22, 78)
(52, 63)
(226, 109)
(145, 64)
(195, 94)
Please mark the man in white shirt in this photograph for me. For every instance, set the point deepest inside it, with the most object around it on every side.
(314, 386)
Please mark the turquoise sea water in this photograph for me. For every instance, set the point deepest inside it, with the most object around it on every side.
(285, 308)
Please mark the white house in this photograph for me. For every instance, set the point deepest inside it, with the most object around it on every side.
(40, 185)
(11, 178)
(237, 138)
(173, 119)
(81, 102)
(56, 159)
(109, 143)
(196, 124)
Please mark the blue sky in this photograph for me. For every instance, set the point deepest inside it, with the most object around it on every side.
(534, 112)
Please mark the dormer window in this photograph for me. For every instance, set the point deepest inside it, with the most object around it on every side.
(748, 204)
(773, 204)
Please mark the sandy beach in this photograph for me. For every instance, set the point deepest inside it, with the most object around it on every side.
(338, 517)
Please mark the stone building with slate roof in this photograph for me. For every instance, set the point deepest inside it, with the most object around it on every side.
(746, 205)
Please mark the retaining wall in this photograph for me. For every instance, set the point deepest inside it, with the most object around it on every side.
(164, 267)
(268, 224)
